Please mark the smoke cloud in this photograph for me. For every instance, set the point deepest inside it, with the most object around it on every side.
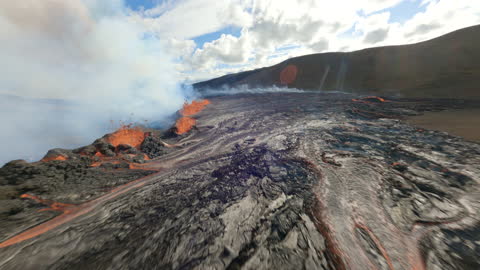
(69, 67)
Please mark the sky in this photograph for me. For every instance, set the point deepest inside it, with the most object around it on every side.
(71, 67)
(210, 38)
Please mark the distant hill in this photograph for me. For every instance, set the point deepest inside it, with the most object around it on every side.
(444, 67)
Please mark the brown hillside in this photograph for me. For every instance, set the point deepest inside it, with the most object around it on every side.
(447, 66)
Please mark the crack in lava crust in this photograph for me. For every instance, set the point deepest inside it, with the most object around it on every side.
(280, 181)
(69, 212)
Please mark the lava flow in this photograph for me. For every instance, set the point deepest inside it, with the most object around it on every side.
(128, 135)
(125, 135)
(194, 108)
(370, 100)
(185, 123)
(70, 212)
(58, 158)
(280, 180)
(53, 206)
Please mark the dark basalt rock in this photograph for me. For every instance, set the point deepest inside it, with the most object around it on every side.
(266, 181)
(153, 147)
(104, 147)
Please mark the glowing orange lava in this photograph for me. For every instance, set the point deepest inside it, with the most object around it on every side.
(378, 244)
(98, 154)
(194, 108)
(139, 166)
(185, 123)
(54, 206)
(288, 74)
(70, 212)
(127, 135)
(59, 157)
(365, 99)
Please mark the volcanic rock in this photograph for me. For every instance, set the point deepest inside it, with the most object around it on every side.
(266, 181)
(153, 147)
(105, 148)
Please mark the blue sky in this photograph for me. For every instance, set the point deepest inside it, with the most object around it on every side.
(139, 4)
(129, 51)
(211, 38)
(399, 13)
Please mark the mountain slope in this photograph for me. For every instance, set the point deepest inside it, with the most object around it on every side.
(446, 67)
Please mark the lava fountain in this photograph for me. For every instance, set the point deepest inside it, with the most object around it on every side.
(185, 123)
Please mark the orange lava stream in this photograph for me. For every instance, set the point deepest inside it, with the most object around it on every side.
(60, 158)
(70, 212)
(185, 123)
(125, 135)
(378, 244)
(363, 100)
(54, 206)
(194, 107)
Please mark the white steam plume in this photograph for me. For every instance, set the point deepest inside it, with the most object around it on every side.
(68, 67)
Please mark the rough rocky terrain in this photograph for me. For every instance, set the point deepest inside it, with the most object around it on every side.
(263, 181)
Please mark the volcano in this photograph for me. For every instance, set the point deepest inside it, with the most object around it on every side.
(281, 180)
(276, 173)
(444, 67)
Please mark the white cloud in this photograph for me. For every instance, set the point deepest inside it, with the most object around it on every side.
(318, 26)
(310, 25)
(227, 49)
(191, 18)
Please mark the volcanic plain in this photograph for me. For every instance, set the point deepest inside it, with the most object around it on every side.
(282, 180)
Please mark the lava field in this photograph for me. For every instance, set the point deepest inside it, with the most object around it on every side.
(292, 180)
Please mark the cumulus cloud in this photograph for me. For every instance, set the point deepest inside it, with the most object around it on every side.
(191, 18)
(318, 26)
(227, 49)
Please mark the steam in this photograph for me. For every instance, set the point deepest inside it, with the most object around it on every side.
(69, 67)
(245, 89)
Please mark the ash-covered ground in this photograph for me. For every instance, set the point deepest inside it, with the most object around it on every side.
(263, 181)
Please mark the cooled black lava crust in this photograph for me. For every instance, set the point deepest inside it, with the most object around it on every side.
(273, 181)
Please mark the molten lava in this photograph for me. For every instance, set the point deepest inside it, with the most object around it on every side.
(370, 100)
(59, 157)
(127, 135)
(54, 206)
(194, 108)
(98, 154)
(185, 123)
(376, 242)
(70, 212)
